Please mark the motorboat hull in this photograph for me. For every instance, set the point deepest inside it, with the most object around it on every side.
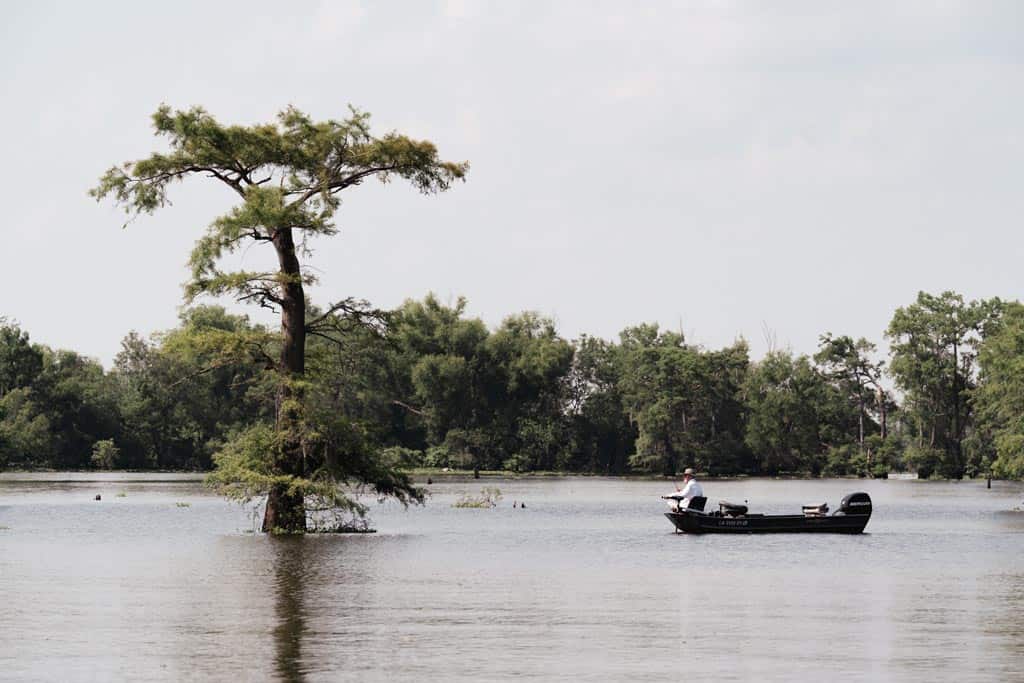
(694, 522)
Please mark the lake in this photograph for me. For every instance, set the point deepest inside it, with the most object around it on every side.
(161, 580)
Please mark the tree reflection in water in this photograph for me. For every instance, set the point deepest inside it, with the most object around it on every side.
(313, 576)
(291, 564)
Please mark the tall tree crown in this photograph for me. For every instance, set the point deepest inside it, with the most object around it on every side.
(288, 175)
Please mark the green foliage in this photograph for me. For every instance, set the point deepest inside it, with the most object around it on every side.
(287, 174)
(848, 367)
(999, 398)
(934, 345)
(27, 437)
(181, 393)
(53, 404)
(243, 465)
(879, 471)
(20, 362)
(517, 463)
(925, 460)
(788, 401)
(885, 454)
(398, 457)
(105, 455)
(601, 436)
(339, 458)
(438, 456)
(427, 386)
(684, 401)
(843, 460)
(485, 397)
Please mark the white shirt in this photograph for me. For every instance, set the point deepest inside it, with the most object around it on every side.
(692, 489)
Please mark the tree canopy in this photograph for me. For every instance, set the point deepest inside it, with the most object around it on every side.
(427, 385)
(934, 348)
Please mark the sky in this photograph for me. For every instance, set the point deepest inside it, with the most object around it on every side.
(771, 171)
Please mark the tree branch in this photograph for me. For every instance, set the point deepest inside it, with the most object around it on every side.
(408, 407)
(201, 371)
(338, 184)
(356, 311)
(165, 176)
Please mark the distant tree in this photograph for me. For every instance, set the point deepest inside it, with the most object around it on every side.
(484, 400)
(726, 370)
(79, 401)
(998, 400)
(603, 438)
(934, 346)
(288, 177)
(685, 401)
(20, 361)
(849, 366)
(528, 363)
(659, 382)
(27, 436)
(787, 400)
(105, 455)
(437, 375)
(182, 392)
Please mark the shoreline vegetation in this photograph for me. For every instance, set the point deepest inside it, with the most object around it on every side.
(432, 393)
(420, 474)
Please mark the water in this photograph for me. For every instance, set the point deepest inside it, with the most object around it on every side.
(588, 582)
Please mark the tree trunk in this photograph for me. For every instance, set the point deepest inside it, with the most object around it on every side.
(860, 421)
(881, 403)
(957, 449)
(286, 510)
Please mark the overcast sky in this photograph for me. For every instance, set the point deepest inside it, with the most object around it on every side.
(720, 167)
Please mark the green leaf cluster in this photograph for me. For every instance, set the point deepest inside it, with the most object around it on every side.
(999, 398)
(287, 175)
(934, 348)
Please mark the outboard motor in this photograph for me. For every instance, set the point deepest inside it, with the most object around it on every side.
(855, 504)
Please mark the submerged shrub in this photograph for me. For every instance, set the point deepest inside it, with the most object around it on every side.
(488, 498)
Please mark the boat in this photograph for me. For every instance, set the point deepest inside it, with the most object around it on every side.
(731, 518)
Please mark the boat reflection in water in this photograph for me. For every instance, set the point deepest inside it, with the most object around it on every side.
(730, 518)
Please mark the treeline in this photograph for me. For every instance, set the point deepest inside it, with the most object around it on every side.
(426, 385)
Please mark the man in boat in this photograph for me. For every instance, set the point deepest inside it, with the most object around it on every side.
(690, 489)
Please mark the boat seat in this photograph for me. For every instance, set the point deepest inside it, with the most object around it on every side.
(697, 503)
(731, 509)
(815, 510)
